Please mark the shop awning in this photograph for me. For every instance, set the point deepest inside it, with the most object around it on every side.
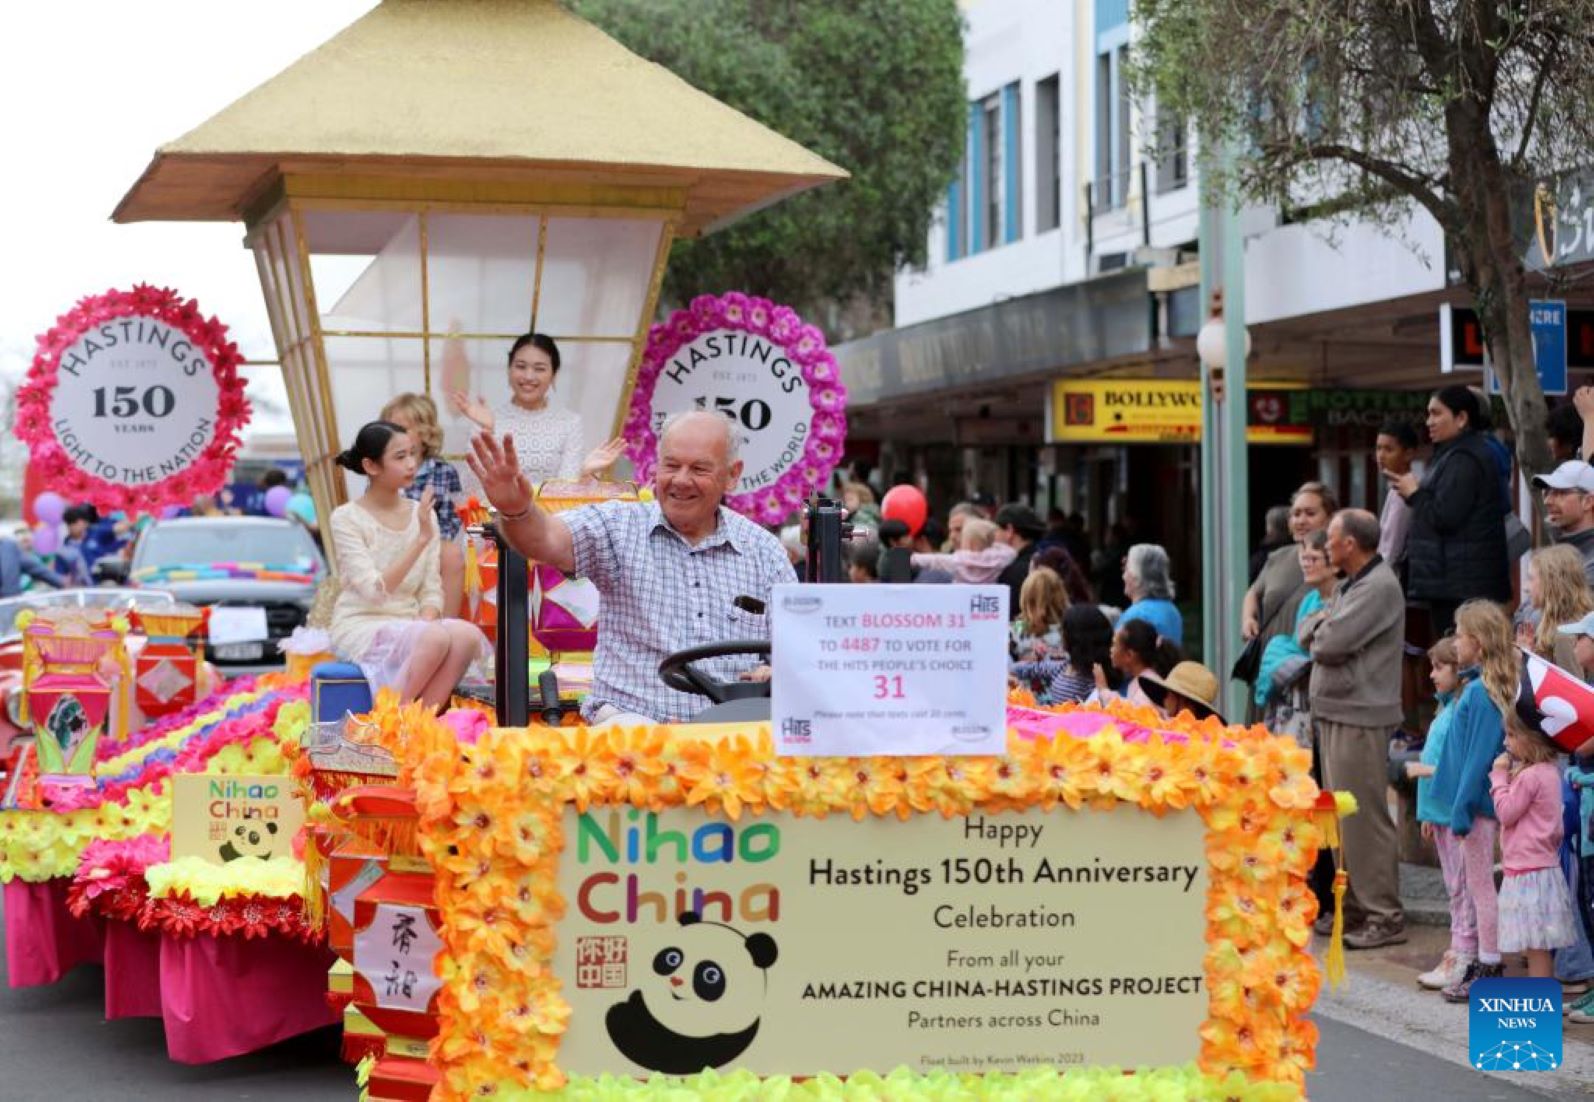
(1091, 323)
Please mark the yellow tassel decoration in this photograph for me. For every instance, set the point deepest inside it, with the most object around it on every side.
(473, 573)
(1334, 958)
(315, 901)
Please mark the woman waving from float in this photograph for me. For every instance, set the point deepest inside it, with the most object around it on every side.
(388, 618)
(547, 440)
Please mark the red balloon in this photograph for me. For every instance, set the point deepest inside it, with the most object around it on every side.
(907, 504)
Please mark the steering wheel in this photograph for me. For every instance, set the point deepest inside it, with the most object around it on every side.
(676, 671)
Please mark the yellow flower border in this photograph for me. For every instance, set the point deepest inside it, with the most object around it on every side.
(495, 843)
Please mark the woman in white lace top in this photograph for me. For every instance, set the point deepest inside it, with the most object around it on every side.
(548, 441)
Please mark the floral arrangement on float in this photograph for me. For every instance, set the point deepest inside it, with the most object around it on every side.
(135, 880)
(495, 842)
(229, 733)
(772, 374)
(87, 420)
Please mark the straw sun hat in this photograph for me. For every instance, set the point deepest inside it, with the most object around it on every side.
(1191, 680)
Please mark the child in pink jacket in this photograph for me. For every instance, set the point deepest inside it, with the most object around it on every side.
(1535, 907)
(978, 561)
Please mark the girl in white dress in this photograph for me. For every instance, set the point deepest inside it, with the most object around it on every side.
(388, 618)
(548, 441)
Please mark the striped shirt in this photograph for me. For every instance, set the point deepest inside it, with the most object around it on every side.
(660, 595)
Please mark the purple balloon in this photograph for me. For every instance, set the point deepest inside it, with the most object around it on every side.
(46, 539)
(277, 500)
(49, 507)
(171, 511)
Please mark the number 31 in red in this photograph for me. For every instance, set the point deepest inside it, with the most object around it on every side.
(888, 688)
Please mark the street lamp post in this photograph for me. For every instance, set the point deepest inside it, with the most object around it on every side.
(1223, 346)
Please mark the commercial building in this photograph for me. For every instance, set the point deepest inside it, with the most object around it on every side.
(1046, 350)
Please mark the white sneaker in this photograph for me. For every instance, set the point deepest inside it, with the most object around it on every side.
(1451, 967)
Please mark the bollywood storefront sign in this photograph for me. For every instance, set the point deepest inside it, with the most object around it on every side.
(133, 401)
(766, 370)
(675, 899)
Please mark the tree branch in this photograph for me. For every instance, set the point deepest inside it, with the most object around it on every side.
(1533, 107)
(1419, 187)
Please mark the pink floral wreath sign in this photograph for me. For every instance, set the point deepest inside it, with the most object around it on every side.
(133, 401)
(766, 370)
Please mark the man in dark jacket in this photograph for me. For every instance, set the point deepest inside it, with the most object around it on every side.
(1356, 645)
(1456, 549)
(1019, 527)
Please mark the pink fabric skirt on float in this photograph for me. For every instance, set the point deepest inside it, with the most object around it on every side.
(43, 941)
(225, 996)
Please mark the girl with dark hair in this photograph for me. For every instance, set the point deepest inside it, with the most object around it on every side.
(547, 440)
(1456, 549)
(388, 618)
(1087, 640)
(1136, 649)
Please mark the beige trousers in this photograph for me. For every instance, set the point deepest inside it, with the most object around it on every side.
(1356, 760)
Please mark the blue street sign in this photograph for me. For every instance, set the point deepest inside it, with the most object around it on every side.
(1548, 319)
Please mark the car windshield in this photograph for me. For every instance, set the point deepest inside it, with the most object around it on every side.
(10, 607)
(285, 545)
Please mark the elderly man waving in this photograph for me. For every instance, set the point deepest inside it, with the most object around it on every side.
(669, 570)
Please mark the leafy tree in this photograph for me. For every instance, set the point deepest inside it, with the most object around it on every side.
(1366, 106)
(875, 86)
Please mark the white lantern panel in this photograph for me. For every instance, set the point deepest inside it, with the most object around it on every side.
(365, 372)
(595, 274)
(367, 269)
(481, 270)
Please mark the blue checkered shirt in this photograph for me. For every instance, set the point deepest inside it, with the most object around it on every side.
(444, 481)
(660, 595)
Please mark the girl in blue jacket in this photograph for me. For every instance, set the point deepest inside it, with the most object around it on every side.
(1490, 678)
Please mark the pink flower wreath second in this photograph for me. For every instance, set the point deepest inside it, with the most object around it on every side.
(765, 369)
(133, 402)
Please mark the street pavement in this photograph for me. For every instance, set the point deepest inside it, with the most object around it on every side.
(1380, 1039)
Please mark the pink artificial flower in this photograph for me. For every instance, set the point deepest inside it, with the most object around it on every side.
(784, 325)
(758, 315)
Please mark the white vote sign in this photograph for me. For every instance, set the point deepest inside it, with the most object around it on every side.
(889, 669)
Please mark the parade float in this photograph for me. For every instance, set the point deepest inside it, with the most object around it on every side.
(501, 902)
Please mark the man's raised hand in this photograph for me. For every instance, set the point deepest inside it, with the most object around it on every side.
(497, 468)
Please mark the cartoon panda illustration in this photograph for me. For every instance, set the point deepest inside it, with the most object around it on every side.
(700, 1006)
(250, 839)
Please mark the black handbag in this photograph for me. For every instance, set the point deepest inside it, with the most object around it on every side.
(1249, 664)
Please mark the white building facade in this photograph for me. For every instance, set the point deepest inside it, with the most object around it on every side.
(1065, 253)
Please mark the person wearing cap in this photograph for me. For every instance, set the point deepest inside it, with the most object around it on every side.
(1356, 645)
(1189, 687)
(1569, 505)
(1582, 635)
(1018, 526)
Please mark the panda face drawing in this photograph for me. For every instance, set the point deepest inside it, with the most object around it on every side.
(250, 839)
(700, 1002)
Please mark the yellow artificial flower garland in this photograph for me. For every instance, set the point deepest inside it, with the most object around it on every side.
(495, 843)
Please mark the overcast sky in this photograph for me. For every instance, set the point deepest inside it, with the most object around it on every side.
(88, 90)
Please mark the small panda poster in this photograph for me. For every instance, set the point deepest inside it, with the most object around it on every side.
(234, 818)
